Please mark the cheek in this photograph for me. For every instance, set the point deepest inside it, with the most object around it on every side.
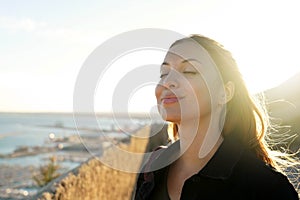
(204, 99)
(201, 94)
(158, 91)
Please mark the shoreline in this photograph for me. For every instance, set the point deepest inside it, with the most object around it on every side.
(17, 180)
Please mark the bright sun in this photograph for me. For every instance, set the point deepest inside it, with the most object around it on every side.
(264, 67)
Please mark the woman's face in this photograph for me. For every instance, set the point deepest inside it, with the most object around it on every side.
(188, 82)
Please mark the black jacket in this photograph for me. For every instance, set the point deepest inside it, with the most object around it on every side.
(233, 173)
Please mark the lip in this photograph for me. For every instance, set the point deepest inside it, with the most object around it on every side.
(169, 99)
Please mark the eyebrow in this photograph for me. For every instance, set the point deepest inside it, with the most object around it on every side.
(191, 59)
(184, 61)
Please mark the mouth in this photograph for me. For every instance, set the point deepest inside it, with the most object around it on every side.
(169, 100)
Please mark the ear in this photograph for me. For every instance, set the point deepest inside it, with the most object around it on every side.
(229, 92)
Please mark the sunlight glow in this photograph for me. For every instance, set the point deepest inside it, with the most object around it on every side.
(41, 55)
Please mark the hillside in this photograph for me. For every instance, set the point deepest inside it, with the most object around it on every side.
(283, 104)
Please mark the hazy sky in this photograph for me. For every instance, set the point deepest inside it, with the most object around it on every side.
(43, 44)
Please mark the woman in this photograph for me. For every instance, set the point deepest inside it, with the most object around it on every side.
(221, 152)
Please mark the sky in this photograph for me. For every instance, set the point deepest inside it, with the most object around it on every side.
(43, 44)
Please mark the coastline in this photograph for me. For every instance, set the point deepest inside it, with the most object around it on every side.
(70, 152)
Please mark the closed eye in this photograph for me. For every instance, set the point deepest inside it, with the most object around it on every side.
(190, 72)
(163, 75)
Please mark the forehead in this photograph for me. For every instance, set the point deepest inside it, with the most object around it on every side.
(192, 50)
(189, 49)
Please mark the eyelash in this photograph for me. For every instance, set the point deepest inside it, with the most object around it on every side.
(185, 72)
(162, 75)
(190, 72)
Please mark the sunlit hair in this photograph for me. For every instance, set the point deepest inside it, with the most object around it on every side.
(244, 118)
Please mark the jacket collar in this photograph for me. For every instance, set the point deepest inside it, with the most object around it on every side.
(225, 159)
(220, 165)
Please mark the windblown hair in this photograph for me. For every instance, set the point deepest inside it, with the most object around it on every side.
(244, 118)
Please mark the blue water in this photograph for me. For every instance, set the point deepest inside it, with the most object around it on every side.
(18, 130)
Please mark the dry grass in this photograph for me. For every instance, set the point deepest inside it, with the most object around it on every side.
(97, 181)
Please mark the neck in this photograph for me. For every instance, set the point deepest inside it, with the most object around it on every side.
(196, 136)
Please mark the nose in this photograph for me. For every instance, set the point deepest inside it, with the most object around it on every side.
(170, 81)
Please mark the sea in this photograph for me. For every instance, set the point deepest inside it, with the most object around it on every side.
(34, 129)
(30, 130)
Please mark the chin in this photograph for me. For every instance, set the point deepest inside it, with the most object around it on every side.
(174, 119)
(170, 114)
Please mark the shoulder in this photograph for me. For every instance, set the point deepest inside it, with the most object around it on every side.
(256, 170)
(254, 175)
(148, 178)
